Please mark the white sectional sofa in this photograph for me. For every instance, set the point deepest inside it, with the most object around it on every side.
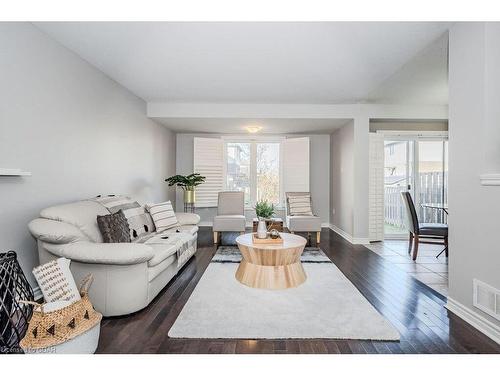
(127, 276)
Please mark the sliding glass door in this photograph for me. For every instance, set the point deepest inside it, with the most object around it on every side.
(432, 181)
(418, 165)
(398, 177)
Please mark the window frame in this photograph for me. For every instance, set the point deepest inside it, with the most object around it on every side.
(253, 141)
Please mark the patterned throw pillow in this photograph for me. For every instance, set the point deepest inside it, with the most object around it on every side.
(300, 205)
(56, 281)
(139, 221)
(163, 216)
(114, 227)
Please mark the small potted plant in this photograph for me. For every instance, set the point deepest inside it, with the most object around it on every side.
(264, 210)
(188, 184)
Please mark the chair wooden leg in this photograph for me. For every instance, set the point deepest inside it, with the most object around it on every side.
(410, 243)
(415, 249)
(318, 237)
(445, 249)
(216, 238)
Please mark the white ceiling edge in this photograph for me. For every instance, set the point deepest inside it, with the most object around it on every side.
(282, 118)
(274, 126)
(297, 111)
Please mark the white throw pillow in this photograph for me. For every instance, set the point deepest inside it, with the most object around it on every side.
(163, 215)
(56, 281)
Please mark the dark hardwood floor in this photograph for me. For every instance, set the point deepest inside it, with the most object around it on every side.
(414, 309)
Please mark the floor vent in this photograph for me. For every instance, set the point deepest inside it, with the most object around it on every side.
(486, 298)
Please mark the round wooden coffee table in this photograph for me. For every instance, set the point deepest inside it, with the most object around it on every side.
(271, 266)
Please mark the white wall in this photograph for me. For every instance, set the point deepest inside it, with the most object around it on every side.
(342, 178)
(474, 209)
(78, 132)
(319, 174)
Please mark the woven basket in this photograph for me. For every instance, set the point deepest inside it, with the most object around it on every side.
(56, 327)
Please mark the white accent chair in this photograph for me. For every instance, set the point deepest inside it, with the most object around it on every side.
(230, 213)
(302, 223)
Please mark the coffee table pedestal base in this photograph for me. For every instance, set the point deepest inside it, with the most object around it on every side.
(270, 277)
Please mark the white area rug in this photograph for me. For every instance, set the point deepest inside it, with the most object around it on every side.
(327, 305)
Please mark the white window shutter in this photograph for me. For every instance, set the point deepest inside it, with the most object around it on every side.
(376, 187)
(296, 164)
(208, 161)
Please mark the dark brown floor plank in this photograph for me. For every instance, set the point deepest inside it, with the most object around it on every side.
(414, 309)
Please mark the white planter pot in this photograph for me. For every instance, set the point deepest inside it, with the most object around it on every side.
(261, 229)
(86, 343)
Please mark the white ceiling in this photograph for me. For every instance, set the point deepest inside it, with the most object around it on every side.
(237, 126)
(330, 62)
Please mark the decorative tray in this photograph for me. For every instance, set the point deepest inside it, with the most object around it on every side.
(267, 240)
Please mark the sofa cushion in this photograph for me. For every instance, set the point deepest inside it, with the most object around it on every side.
(190, 229)
(167, 244)
(229, 223)
(114, 227)
(161, 252)
(81, 214)
(157, 269)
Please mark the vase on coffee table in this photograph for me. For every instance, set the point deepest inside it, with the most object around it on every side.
(262, 229)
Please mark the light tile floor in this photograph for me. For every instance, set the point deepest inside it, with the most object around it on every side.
(427, 268)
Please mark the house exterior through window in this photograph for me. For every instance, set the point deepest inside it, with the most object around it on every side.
(254, 167)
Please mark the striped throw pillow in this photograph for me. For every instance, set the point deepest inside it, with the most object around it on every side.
(163, 216)
(300, 205)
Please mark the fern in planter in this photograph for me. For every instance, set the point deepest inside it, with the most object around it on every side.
(264, 210)
(188, 182)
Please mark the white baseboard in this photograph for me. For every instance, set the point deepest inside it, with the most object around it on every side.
(348, 237)
(482, 324)
(37, 293)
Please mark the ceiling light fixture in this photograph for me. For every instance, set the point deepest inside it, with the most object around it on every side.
(253, 129)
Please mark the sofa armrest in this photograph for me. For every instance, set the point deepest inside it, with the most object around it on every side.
(54, 231)
(103, 253)
(187, 218)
